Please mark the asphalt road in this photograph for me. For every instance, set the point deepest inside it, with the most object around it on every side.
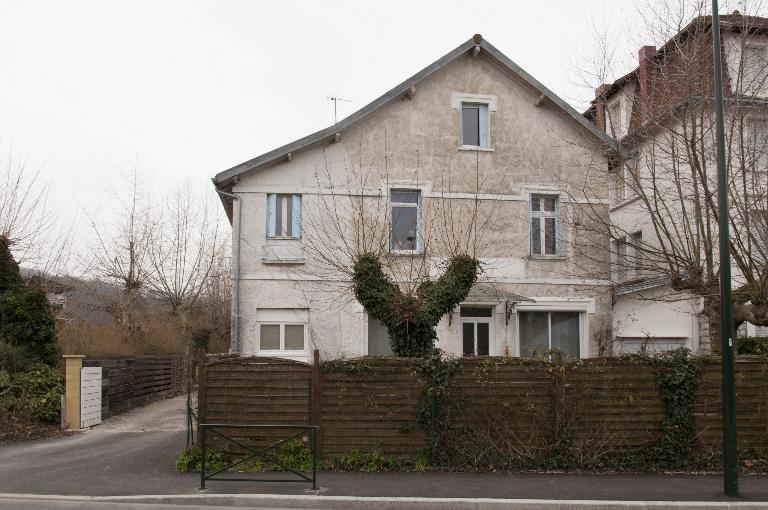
(35, 504)
(135, 454)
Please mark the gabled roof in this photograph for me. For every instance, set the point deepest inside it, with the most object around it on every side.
(735, 22)
(224, 180)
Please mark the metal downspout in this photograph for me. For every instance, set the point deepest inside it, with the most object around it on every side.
(234, 347)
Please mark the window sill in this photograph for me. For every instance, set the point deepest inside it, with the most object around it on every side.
(283, 238)
(546, 257)
(412, 253)
(473, 148)
(296, 261)
(623, 203)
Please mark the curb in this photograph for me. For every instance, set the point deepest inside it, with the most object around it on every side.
(378, 503)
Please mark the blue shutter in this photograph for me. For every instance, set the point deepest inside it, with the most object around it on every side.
(530, 224)
(296, 214)
(558, 228)
(420, 226)
(483, 114)
(271, 218)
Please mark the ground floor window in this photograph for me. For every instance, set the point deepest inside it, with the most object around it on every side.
(378, 339)
(541, 332)
(476, 330)
(282, 330)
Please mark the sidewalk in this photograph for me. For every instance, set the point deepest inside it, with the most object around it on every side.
(128, 456)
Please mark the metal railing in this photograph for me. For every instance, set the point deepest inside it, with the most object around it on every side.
(263, 454)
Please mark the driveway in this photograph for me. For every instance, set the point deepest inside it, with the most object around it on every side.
(133, 453)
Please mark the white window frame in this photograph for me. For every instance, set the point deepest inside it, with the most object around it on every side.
(584, 306)
(622, 266)
(419, 205)
(483, 126)
(556, 214)
(491, 321)
(752, 134)
(758, 89)
(366, 318)
(295, 200)
(635, 243)
(282, 350)
(582, 334)
(488, 104)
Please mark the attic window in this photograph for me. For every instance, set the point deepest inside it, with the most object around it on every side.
(474, 125)
(474, 120)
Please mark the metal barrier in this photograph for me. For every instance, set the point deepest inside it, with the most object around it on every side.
(205, 428)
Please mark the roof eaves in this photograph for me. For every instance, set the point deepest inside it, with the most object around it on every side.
(554, 98)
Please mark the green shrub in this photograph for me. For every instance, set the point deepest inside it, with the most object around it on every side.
(295, 455)
(13, 358)
(190, 460)
(9, 270)
(36, 390)
(753, 345)
(366, 462)
(26, 321)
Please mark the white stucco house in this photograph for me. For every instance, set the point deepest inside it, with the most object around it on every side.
(646, 111)
(471, 131)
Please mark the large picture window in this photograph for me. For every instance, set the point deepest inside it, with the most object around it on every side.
(541, 332)
(405, 235)
(546, 235)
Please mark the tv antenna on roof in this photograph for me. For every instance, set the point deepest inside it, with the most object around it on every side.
(335, 103)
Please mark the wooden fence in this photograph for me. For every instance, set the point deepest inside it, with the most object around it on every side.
(130, 382)
(373, 404)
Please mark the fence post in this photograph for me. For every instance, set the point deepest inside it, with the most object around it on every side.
(72, 365)
(314, 459)
(201, 382)
(316, 417)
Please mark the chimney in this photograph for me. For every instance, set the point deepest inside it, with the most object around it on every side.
(645, 71)
(600, 105)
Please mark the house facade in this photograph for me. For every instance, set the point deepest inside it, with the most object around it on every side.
(471, 151)
(654, 111)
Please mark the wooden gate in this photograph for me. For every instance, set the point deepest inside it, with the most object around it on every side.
(90, 396)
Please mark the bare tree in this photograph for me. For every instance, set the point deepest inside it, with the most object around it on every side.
(120, 253)
(358, 214)
(664, 225)
(183, 250)
(37, 237)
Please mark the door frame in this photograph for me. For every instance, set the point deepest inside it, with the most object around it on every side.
(491, 321)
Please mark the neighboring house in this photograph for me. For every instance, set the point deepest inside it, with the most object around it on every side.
(644, 110)
(472, 111)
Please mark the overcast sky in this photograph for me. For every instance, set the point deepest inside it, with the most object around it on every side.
(189, 88)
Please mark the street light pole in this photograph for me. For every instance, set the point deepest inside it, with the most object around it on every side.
(730, 451)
